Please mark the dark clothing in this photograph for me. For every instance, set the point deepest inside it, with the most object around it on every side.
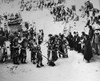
(88, 51)
(16, 51)
(78, 45)
(2, 39)
(33, 49)
(54, 56)
(24, 45)
(33, 55)
(91, 33)
(40, 40)
(15, 55)
(70, 40)
(23, 55)
(54, 53)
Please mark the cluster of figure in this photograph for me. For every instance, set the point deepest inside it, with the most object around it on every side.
(87, 44)
(26, 5)
(39, 4)
(92, 13)
(62, 13)
(59, 13)
(93, 19)
(79, 44)
(23, 40)
(88, 8)
(19, 43)
(57, 47)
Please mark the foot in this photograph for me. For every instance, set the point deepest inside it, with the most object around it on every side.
(31, 60)
(59, 56)
(88, 61)
(51, 63)
(16, 63)
(41, 65)
(34, 62)
(65, 56)
(24, 62)
(38, 66)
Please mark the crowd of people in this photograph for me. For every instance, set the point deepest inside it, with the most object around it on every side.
(19, 43)
(22, 40)
(40, 4)
(57, 45)
(62, 13)
(87, 44)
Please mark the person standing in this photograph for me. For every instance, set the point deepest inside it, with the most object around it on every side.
(88, 50)
(33, 45)
(39, 57)
(23, 55)
(97, 42)
(15, 55)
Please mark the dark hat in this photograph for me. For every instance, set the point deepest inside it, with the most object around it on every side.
(56, 35)
(50, 35)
